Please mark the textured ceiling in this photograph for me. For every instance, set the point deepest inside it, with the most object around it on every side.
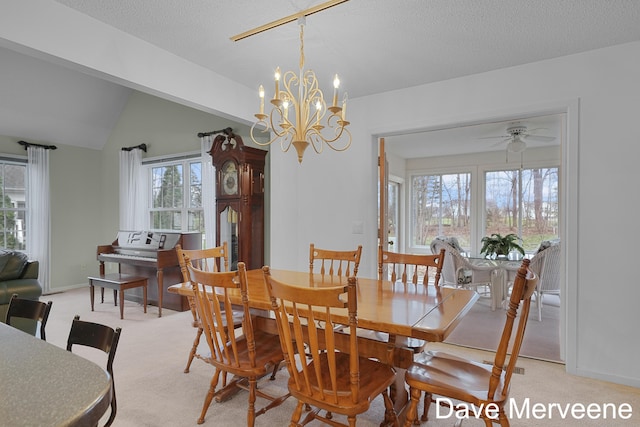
(374, 45)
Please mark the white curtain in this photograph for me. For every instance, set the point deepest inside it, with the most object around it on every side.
(208, 192)
(133, 191)
(39, 212)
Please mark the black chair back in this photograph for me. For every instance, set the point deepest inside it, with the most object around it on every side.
(100, 337)
(20, 308)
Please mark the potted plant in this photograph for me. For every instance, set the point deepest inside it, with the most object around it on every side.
(498, 245)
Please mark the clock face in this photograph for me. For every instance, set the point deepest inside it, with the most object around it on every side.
(229, 178)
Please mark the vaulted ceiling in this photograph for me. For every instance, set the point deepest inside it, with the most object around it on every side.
(374, 45)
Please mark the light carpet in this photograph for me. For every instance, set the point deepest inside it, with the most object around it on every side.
(152, 389)
(481, 328)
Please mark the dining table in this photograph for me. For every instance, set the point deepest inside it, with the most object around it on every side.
(46, 386)
(424, 312)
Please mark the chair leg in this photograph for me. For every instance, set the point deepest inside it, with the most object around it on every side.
(390, 416)
(251, 409)
(427, 405)
(504, 421)
(210, 394)
(412, 411)
(275, 370)
(297, 413)
(194, 349)
(539, 303)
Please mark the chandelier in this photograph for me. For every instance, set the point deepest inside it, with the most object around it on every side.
(299, 114)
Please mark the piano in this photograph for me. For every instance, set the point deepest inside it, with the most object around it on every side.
(151, 254)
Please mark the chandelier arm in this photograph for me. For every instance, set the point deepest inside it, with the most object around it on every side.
(347, 145)
(300, 115)
(285, 143)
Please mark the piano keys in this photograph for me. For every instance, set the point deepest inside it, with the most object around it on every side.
(151, 254)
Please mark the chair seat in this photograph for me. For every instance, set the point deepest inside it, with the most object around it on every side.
(463, 379)
(375, 377)
(269, 353)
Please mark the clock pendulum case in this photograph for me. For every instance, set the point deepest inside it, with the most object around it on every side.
(239, 199)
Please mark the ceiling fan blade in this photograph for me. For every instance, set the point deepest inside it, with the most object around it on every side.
(541, 138)
(501, 142)
(535, 130)
(496, 137)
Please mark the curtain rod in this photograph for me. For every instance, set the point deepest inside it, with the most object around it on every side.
(30, 144)
(226, 131)
(143, 147)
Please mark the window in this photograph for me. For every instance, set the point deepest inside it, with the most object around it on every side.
(176, 195)
(440, 206)
(393, 213)
(524, 202)
(13, 209)
(520, 201)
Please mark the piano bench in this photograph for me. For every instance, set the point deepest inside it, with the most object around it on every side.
(118, 282)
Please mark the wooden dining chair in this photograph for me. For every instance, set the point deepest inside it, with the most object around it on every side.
(100, 337)
(338, 263)
(481, 385)
(21, 311)
(402, 266)
(330, 375)
(210, 259)
(245, 353)
(410, 269)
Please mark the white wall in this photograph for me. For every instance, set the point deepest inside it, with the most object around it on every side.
(76, 214)
(332, 190)
(320, 200)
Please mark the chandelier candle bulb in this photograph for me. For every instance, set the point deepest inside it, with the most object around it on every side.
(344, 107)
(261, 93)
(277, 78)
(336, 85)
(318, 109)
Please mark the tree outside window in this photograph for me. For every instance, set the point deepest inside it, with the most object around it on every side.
(441, 206)
(12, 206)
(177, 197)
(524, 202)
(520, 201)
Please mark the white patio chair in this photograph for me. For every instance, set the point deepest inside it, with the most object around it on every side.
(546, 264)
(460, 271)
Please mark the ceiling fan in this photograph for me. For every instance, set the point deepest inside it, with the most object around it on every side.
(517, 134)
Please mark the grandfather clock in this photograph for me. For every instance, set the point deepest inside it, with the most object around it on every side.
(239, 199)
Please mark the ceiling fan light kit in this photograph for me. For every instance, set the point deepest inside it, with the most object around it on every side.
(516, 145)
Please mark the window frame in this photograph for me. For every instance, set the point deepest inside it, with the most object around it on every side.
(499, 168)
(22, 162)
(185, 208)
(477, 200)
(472, 171)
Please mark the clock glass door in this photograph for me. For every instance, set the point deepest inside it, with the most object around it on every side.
(229, 233)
